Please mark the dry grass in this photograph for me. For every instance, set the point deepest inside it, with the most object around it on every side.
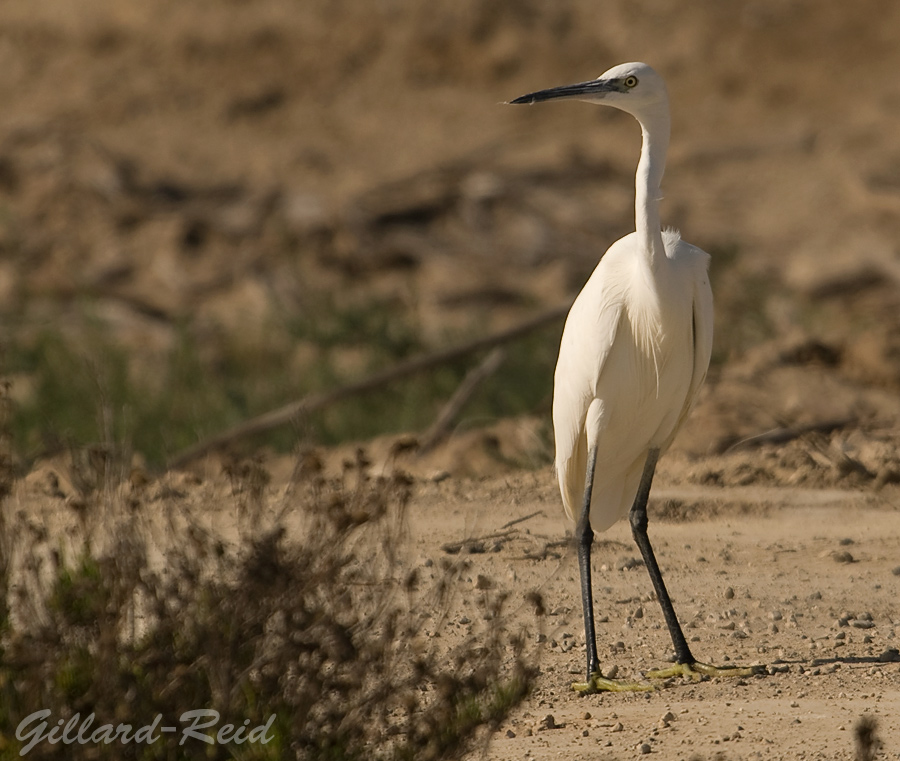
(332, 635)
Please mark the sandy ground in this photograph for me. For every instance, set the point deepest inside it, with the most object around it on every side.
(800, 581)
(242, 158)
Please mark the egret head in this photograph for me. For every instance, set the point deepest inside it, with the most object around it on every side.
(632, 87)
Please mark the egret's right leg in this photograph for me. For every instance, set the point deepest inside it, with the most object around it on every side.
(685, 663)
(584, 536)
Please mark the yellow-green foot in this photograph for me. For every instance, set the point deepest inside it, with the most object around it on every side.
(599, 683)
(697, 671)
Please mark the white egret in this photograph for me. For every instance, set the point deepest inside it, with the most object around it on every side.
(634, 352)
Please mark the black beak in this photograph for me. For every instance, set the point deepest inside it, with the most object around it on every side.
(596, 87)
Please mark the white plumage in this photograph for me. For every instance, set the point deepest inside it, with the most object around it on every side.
(634, 352)
(633, 355)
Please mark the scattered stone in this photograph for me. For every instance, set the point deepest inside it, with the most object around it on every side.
(586, 715)
(861, 623)
(548, 722)
(627, 563)
(483, 582)
(729, 593)
(843, 557)
(618, 727)
(510, 733)
(891, 655)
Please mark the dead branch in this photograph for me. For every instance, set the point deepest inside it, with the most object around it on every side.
(466, 390)
(522, 519)
(783, 435)
(549, 550)
(476, 544)
(313, 402)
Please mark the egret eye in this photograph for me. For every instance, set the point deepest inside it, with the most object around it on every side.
(630, 82)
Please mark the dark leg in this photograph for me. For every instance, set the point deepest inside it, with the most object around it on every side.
(584, 536)
(638, 519)
(685, 663)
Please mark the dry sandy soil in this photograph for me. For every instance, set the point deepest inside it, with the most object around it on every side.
(797, 580)
(194, 163)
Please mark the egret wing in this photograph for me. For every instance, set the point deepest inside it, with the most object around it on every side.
(702, 334)
(587, 340)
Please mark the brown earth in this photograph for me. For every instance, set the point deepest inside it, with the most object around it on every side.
(206, 162)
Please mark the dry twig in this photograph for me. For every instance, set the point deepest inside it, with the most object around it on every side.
(311, 403)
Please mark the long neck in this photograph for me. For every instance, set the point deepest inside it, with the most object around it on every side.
(655, 127)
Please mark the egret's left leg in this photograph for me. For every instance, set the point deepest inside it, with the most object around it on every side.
(685, 663)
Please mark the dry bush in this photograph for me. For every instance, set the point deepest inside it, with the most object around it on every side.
(332, 634)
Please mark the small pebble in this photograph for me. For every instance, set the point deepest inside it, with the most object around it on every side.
(483, 582)
(729, 593)
(645, 748)
(550, 723)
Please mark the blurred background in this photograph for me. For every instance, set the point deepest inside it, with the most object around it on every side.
(209, 208)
